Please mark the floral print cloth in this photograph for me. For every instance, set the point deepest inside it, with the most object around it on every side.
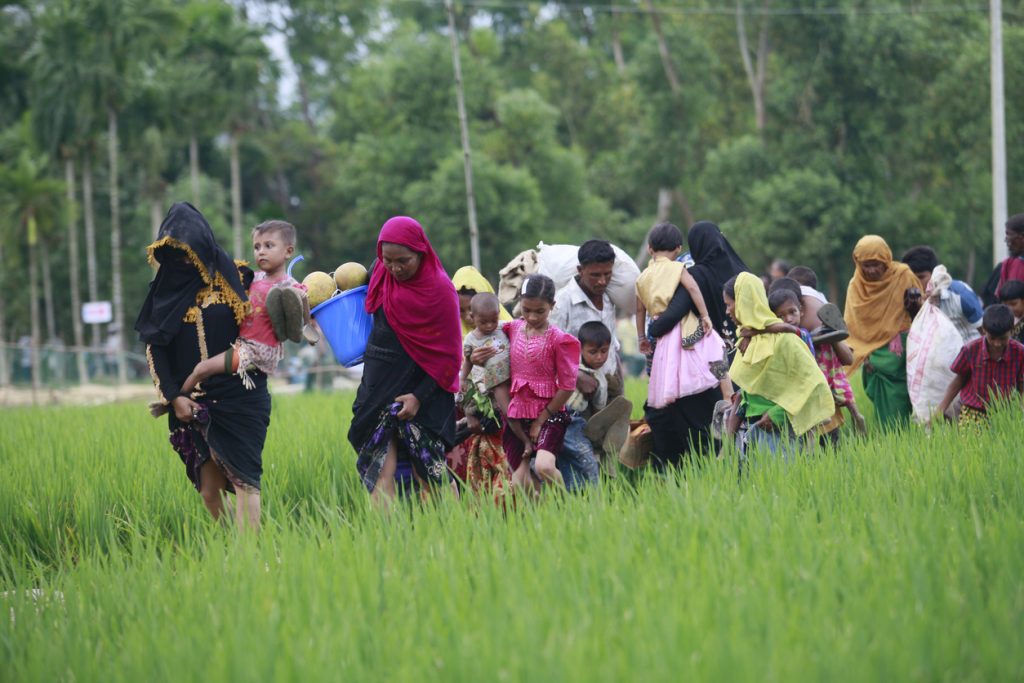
(423, 449)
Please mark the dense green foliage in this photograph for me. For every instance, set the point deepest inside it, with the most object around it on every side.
(856, 116)
(896, 558)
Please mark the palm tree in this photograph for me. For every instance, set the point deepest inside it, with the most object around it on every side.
(64, 120)
(122, 31)
(31, 197)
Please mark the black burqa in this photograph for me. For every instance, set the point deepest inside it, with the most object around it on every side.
(682, 427)
(190, 259)
(184, 245)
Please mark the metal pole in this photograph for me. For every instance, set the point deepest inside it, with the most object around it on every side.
(474, 241)
(999, 212)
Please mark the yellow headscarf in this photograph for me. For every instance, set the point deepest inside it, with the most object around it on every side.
(778, 367)
(874, 310)
(469, 277)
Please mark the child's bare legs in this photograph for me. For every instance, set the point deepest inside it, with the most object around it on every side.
(502, 396)
(384, 490)
(208, 368)
(546, 469)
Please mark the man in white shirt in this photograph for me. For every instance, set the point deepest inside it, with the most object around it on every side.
(585, 298)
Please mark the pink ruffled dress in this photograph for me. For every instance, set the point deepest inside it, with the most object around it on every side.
(540, 367)
(676, 371)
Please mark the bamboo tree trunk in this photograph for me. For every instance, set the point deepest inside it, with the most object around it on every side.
(33, 305)
(73, 271)
(620, 60)
(666, 57)
(236, 198)
(155, 216)
(115, 246)
(5, 376)
(90, 245)
(51, 318)
(467, 160)
(193, 167)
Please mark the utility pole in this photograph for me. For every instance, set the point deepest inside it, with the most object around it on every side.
(999, 212)
(474, 239)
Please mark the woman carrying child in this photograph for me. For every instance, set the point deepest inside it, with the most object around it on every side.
(193, 311)
(688, 370)
(876, 314)
(544, 364)
(784, 393)
(405, 405)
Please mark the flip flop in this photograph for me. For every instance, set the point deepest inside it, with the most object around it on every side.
(285, 305)
(831, 316)
(275, 311)
(826, 335)
(602, 420)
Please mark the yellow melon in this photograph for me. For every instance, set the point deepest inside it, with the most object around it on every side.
(320, 286)
(350, 275)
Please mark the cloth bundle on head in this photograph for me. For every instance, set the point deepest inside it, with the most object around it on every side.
(423, 310)
(874, 310)
(714, 263)
(174, 288)
(469, 278)
(778, 367)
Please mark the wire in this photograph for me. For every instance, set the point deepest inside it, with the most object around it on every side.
(729, 11)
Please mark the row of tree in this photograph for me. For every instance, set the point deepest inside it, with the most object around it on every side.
(796, 128)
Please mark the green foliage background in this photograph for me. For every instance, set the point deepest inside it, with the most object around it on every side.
(876, 120)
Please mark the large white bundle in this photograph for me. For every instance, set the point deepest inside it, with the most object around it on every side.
(932, 345)
(559, 262)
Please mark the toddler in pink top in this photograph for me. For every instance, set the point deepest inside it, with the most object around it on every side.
(544, 363)
(258, 347)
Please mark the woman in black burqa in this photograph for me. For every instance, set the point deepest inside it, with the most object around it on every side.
(192, 312)
(683, 426)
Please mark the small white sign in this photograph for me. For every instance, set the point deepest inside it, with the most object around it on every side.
(97, 312)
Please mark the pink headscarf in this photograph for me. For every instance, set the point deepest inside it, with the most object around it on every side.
(424, 310)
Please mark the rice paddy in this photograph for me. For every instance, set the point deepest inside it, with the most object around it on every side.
(896, 558)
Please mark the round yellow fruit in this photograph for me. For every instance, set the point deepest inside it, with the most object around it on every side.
(320, 286)
(350, 275)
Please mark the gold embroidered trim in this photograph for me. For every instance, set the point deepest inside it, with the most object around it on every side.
(171, 242)
(201, 334)
(153, 375)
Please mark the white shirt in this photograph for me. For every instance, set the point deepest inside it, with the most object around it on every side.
(573, 308)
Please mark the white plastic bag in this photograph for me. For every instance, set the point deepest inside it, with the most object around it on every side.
(559, 262)
(932, 345)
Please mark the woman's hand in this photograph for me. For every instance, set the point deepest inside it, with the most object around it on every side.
(586, 384)
(410, 406)
(482, 354)
(645, 346)
(707, 324)
(748, 332)
(535, 430)
(896, 345)
(743, 343)
(765, 424)
(184, 408)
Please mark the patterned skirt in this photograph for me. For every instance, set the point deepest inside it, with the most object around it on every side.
(424, 450)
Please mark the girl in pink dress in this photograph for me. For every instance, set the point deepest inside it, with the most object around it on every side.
(544, 363)
(690, 359)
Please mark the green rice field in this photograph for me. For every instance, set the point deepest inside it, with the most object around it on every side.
(899, 557)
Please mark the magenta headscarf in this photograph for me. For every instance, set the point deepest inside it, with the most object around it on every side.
(424, 310)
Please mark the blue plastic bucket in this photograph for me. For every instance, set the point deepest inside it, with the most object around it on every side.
(346, 325)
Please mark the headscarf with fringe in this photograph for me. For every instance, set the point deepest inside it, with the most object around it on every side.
(180, 280)
(874, 310)
(778, 367)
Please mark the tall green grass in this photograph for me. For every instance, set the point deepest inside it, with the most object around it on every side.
(898, 557)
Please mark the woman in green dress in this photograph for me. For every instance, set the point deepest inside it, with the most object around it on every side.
(877, 316)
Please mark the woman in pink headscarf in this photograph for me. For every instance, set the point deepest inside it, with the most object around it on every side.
(405, 406)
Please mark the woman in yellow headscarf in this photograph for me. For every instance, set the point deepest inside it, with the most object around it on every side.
(878, 322)
(477, 457)
(785, 394)
(468, 282)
